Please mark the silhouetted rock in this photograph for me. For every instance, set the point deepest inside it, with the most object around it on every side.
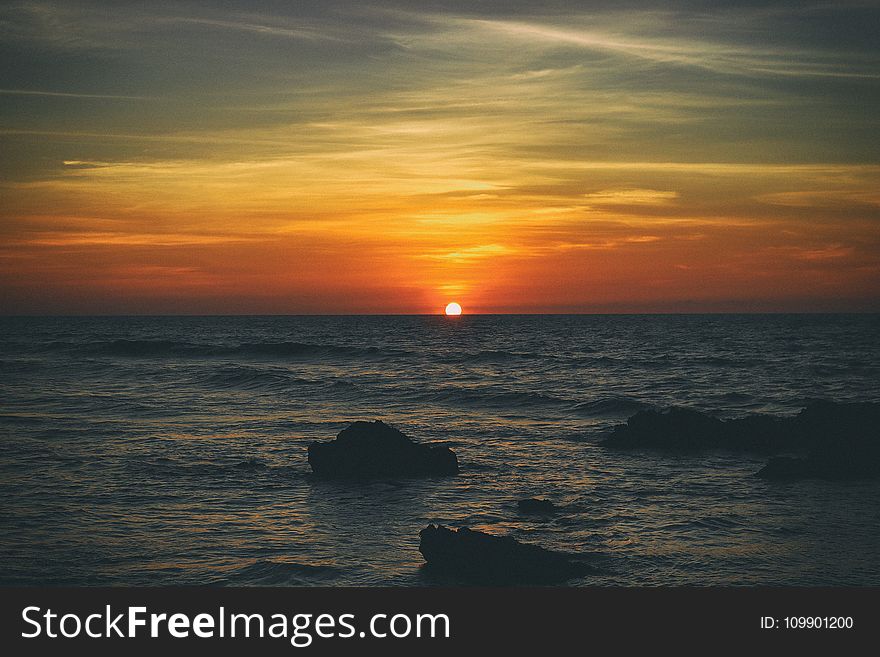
(674, 428)
(367, 450)
(786, 467)
(679, 429)
(834, 426)
(843, 442)
(839, 440)
(478, 557)
(811, 467)
(760, 433)
(535, 505)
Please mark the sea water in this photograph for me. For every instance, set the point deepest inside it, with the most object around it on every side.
(172, 450)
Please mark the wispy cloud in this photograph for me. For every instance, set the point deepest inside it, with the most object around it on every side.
(822, 198)
(304, 32)
(508, 150)
(644, 36)
(631, 197)
(90, 238)
(62, 94)
(472, 253)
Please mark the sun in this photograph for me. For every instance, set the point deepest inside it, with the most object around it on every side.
(453, 309)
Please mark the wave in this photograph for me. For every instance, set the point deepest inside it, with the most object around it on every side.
(287, 350)
(501, 398)
(604, 406)
(238, 377)
(270, 572)
(32, 450)
(294, 350)
(173, 467)
(297, 349)
(725, 361)
(184, 349)
(496, 356)
(489, 397)
(20, 366)
(710, 522)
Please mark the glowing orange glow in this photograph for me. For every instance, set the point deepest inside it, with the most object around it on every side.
(532, 165)
(453, 310)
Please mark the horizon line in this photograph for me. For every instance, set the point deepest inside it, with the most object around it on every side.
(440, 314)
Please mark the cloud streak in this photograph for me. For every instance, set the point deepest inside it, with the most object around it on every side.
(551, 153)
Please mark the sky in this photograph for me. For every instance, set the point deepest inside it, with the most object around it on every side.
(390, 157)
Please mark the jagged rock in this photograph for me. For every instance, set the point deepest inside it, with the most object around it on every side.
(675, 428)
(366, 450)
(760, 433)
(686, 430)
(482, 558)
(840, 440)
(843, 443)
(536, 506)
(832, 426)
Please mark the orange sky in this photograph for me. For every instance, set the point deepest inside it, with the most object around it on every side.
(390, 161)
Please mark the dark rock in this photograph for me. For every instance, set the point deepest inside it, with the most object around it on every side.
(786, 467)
(760, 433)
(839, 440)
(679, 429)
(831, 427)
(482, 558)
(366, 450)
(685, 430)
(535, 505)
(843, 442)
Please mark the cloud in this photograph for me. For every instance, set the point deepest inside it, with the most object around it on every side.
(60, 94)
(303, 32)
(821, 198)
(479, 252)
(632, 196)
(509, 143)
(661, 38)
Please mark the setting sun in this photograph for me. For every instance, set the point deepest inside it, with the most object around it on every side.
(453, 309)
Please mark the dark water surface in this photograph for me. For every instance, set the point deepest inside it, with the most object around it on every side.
(173, 450)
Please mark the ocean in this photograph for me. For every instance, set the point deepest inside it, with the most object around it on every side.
(172, 450)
